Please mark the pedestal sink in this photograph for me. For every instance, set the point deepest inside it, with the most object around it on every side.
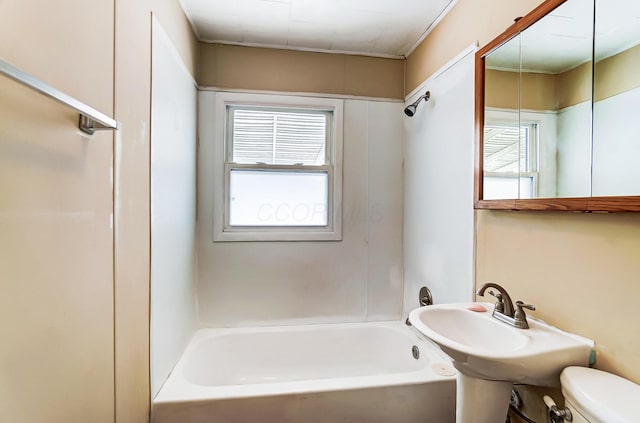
(491, 355)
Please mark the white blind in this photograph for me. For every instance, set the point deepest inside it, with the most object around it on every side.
(280, 137)
(503, 151)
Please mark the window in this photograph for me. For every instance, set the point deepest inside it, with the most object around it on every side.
(282, 168)
(510, 160)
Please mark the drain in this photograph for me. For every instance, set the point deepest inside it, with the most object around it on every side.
(415, 351)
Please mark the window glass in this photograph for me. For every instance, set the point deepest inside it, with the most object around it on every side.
(278, 198)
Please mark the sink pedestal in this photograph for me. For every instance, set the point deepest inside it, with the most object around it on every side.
(481, 401)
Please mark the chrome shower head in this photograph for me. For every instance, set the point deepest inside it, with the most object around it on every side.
(410, 110)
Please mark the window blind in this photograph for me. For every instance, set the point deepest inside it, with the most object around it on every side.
(502, 148)
(279, 137)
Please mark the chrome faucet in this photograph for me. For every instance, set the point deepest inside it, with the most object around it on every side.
(504, 310)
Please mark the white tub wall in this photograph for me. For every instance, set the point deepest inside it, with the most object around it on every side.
(173, 185)
(438, 183)
(385, 133)
(356, 279)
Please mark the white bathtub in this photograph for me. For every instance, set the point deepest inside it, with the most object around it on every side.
(356, 372)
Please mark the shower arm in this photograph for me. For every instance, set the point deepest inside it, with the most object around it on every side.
(411, 109)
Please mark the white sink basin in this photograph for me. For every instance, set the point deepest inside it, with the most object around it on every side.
(486, 348)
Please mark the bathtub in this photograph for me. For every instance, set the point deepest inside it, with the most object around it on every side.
(355, 372)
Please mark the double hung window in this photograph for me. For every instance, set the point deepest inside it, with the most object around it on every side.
(282, 169)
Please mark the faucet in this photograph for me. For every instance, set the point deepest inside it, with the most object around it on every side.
(504, 304)
(504, 310)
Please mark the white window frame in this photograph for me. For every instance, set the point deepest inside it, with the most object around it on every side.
(222, 231)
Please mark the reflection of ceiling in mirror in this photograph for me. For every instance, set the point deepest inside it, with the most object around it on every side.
(617, 26)
(562, 40)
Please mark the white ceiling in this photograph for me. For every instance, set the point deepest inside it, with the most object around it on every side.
(563, 39)
(372, 27)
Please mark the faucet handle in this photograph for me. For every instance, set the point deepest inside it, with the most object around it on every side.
(499, 306)
(520, 305)
(520, 317)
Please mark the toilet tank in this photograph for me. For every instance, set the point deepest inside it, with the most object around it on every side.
(594, 396)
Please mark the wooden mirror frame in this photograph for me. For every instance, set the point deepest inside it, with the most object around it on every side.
(583, 204)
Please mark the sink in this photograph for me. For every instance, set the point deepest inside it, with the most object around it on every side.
(484, 347)
(490, 355)
(470, 329)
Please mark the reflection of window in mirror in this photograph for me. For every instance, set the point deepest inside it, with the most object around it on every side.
(510, 164)
(516, 164)
(507, 166)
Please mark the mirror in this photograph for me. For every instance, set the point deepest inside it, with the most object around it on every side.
(545, 113)
(616, 124)
(554, 130)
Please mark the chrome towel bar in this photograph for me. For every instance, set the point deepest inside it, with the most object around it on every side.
(90, 119)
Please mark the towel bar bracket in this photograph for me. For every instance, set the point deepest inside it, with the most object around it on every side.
(89, 126)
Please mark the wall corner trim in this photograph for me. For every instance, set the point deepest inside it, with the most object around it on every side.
(435, 23)
(420, 88)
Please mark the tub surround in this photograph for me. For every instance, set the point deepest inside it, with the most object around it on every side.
(173, 204)
(438, 207)
(284, 283)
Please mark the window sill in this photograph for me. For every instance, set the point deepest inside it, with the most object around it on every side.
(276, 235)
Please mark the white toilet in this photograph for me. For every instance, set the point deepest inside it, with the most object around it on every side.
(594, 396)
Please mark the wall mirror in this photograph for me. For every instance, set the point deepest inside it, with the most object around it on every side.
(557, 101)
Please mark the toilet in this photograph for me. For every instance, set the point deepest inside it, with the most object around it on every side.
(594, 396)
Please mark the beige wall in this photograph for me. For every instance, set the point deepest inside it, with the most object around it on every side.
(178, 27)
(539, 91)
(238, 67)
(574, 86)
(56, 243)
(613, 75)
(617, 74)
(62, 265)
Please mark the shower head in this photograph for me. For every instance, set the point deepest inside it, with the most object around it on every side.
(410, 110)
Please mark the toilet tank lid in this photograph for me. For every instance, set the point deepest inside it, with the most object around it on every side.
(601, 396)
